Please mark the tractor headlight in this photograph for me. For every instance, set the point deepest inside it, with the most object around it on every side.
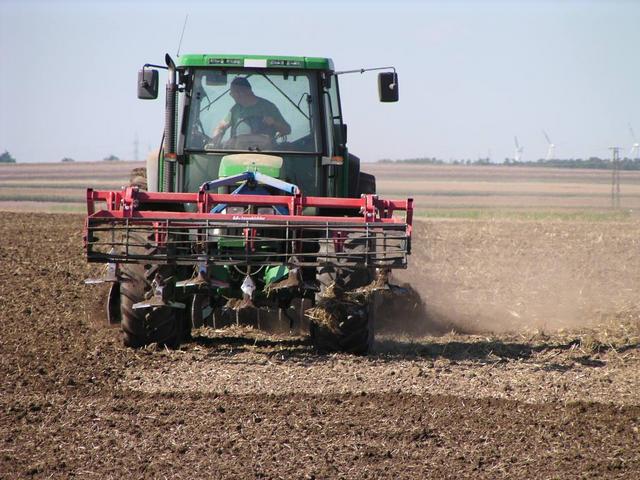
(235, 210)
(265, 211)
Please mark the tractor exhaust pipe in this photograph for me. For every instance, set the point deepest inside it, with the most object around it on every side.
(170, 128)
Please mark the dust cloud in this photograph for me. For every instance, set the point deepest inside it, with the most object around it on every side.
(512, 276)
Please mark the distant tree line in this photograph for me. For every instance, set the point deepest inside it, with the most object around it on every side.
(420, 161)
(7, 158)
(591, 162)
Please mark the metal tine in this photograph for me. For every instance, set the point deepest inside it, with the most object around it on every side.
(110, 275)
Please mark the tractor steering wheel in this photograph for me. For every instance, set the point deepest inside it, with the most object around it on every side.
(258, 127)
(258, 132)
(254, 122)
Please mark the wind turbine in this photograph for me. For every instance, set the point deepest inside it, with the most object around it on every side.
(518, 152)
(551, 149)
(635, 149)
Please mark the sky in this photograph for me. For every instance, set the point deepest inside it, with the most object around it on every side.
(472, 74)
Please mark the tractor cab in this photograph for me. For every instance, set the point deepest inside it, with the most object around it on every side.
(288, 107)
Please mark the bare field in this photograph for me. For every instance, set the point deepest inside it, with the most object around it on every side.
(439, 191)
(58, 187)
(522, 362)
(514, 352)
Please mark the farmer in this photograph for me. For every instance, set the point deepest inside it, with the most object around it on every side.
(260, 115)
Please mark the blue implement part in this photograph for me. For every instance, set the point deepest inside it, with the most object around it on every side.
(252, 177)
(223, 182)
(286, 187)
(257, 177)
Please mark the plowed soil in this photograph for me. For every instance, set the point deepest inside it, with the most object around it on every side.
(522, 362)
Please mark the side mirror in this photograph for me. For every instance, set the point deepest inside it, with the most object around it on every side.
(388, 86)
(147, 84)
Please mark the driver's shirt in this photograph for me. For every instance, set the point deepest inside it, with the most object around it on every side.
(249, 119)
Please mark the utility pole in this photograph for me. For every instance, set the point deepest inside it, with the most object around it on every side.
(615, 177)
(136, 144)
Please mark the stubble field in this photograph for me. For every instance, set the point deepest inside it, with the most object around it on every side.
(521, 361)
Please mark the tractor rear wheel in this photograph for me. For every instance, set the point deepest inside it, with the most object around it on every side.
(353, 328)
(352, 332)
(141, 327)
(355, 247)
(164, 326)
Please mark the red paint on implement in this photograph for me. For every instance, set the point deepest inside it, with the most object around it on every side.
(125, 204)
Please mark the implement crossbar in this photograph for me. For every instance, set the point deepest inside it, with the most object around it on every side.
(132, 219)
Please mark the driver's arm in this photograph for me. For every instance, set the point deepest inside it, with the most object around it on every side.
(281, 126)
(275, 119)
(220, 129)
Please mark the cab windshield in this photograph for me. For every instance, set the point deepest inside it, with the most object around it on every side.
(253, 110)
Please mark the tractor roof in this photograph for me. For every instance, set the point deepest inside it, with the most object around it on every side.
(258, 61)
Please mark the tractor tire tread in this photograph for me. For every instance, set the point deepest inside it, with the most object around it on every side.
(353, 333)
(159, 325)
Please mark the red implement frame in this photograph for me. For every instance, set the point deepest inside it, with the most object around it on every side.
(108, 231)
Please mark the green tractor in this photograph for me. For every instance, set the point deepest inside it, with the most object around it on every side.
(253, 204)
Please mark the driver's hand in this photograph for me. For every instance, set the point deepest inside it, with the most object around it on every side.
(217, 138)
(269, 121)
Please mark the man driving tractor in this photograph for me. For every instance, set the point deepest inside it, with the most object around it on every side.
(260, 115)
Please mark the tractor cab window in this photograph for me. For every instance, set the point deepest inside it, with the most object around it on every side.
(247, 110)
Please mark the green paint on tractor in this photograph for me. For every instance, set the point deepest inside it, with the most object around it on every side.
(270, 61)
(236, 164)
(275, 274)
